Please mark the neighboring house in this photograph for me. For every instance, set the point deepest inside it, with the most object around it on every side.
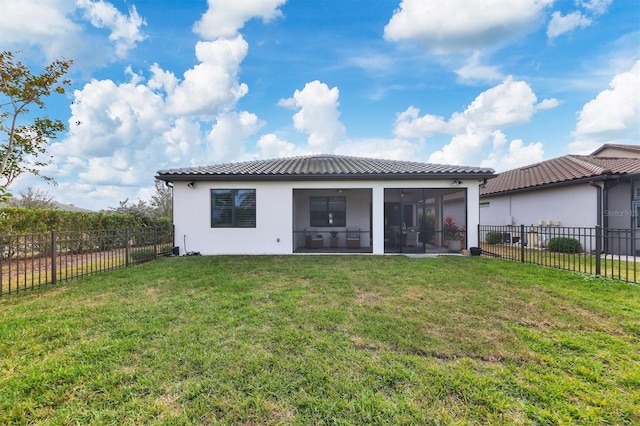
(602, 188)
(323, 203)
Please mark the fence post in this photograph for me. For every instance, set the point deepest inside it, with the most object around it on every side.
(54, 269)
(155, 241)
(522, 243)
(126, 246)
(598, 249)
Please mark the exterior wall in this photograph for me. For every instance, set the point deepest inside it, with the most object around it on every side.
(574, 205)
(275, 209)
(617, 152)
(192, 219)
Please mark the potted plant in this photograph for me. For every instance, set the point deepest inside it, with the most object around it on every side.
(453, 234)
(428, 221)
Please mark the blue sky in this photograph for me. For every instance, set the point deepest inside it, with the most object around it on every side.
(172, 83)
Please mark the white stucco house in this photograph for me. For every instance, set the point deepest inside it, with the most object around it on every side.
(600, 189)
(322, 203)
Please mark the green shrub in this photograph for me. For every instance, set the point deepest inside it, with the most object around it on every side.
(564, 245)
(493, 237)
(20, 220)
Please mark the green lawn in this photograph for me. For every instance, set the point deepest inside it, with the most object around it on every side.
(323, 340)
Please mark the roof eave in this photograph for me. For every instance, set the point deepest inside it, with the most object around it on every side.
(321, 177)
(589, 179)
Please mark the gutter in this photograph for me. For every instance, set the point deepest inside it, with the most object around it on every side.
(321, 177)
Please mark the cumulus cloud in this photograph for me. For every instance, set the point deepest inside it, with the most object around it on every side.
(227, 137)
(612, 116)
(511, 102)
(212, 86)
(54, 27)
(48, 25)
(506, 156)
(392, 149)
(473, 71)
(125, 30)
(507, 104)
(318, 115)
(410, 125)
(224, 18)
(271, 146)
(121, 133)
(562, 24)
(450, 26)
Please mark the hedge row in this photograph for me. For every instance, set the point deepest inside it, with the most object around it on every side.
(18, 220)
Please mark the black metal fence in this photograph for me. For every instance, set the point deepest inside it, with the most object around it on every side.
(606, 252)
(33, 260)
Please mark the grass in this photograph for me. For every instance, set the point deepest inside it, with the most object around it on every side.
(323, 340)
(611, 266)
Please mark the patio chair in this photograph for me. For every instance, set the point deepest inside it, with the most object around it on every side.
(314, 239)
(353, 237)
(411, 238)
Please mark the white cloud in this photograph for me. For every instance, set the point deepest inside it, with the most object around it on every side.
(270, 146)
(612, 116)
(391, 149)
(410, 125)
(446, 26)
(227, 137)
(121, 133)
(318, 115)
(212, 86)
(125, 30)
(54, 27)
(224, 18)
(474, 71)
(48, 24)
(182, 139)
(563, 24)
(597, 7)
(548, 104)
(516, 155)
(507, 104)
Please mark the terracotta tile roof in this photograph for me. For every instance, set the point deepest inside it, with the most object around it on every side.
(321, 167)
(559, 170)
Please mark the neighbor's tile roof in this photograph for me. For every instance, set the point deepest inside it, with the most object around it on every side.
(320, 167)
(560, 170)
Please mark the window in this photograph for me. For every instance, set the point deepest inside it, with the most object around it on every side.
(636, 214)
(233, 208)
(328, 211)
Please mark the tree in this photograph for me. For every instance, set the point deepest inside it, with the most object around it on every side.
(34, 199)
(158, 209)
(24, 145)
(162, 201)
